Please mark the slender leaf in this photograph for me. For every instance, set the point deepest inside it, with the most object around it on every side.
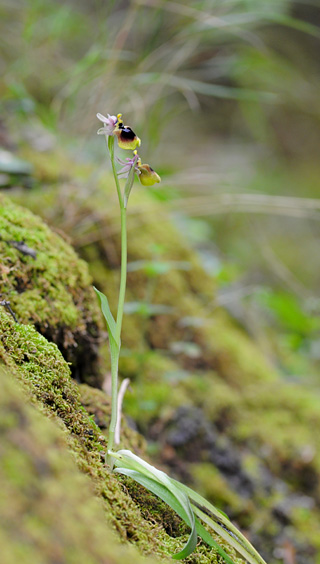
(197, 498)
(221, 524)
(295, 23)
(133, 462)
(168, 497)
(156, 488)
(203, 533)
(126, 459)
(111, 324)
(238, 541)
(199, 505)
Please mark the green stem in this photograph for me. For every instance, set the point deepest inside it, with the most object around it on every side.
(123, 277)
(114, 408)
(122, 291)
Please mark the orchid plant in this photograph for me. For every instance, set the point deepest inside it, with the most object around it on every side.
(200, 515)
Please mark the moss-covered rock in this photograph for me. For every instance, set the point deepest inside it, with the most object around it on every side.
(48, 510)
(49, 286)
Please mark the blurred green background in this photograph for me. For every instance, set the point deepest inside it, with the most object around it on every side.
(225, 96)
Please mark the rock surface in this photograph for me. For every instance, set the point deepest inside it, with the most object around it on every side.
(48, 286)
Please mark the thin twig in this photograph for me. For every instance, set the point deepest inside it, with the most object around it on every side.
(6, 305)
(124, 384)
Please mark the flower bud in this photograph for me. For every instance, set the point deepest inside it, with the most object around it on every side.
(148, 176)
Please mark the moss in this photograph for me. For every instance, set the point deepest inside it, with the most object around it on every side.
(44, 372)
(48, 510)
(50, 290)
(46, 377)
(154, 509)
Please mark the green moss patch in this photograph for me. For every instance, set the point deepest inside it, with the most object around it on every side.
(48, 510)
(48, 286)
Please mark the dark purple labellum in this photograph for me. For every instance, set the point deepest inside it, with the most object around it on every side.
(127, 134)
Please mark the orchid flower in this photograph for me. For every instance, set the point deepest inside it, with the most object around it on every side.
(113, 125)
(147, 175)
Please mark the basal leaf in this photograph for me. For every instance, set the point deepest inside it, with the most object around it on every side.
(197, 498)
(238, 541)
(126, 459)
(182, 509)
(205, 535)
(133, 465)
(130, 461)
(222, 525)
(158, 489)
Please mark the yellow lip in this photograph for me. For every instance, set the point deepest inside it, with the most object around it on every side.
(148, 176)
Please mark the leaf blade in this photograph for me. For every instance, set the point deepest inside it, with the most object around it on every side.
(168, 497)
(222, 525)
(205, 535)
(198, 505)
(106, 311)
